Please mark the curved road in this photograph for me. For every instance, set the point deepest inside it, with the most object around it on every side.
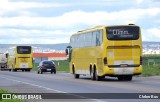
(31, 82)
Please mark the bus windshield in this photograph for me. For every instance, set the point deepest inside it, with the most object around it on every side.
(122, 33)
(23, 49)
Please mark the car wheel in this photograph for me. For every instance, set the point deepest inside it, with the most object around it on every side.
(55, 72)
(41, 72)
(38, 72)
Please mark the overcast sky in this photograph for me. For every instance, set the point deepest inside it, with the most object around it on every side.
(54, 21)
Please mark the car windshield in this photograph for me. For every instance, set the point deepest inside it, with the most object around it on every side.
(48, 62)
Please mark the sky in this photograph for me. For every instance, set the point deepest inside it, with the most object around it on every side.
(54, 21)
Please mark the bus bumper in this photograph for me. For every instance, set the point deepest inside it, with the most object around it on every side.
(122, 71)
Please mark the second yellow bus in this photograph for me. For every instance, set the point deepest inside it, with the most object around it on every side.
(20, 58)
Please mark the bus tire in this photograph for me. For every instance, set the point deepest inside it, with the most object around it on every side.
(76, 76)
(98, 78)
(14, 70)
(121, 78)
(125, 77)
(128, 77)
(92, 75)
(28, 70)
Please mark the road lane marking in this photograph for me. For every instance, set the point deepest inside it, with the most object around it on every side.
(97, 100)
(119, 85)
(34, 85)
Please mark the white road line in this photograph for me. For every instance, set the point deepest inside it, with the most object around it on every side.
(34, 85)
(97, 100)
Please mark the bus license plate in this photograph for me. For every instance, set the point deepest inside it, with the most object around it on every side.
(24, 65)
(123, 65)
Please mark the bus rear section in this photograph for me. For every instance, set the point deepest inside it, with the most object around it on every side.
(123, 52)
(23, 58)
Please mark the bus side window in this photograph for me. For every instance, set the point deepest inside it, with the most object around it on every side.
(98, 37)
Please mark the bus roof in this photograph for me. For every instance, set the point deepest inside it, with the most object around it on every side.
(100, 27)
(13, 47)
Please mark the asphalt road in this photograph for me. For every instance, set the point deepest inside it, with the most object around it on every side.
(31, 82)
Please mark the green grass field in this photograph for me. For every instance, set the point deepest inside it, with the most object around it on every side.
(150, 71)
(151, 65)
(8, 100)
(62, 66)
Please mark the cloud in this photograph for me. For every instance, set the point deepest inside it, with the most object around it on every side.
(18, 33)
(76, 18)
(139, 1)
(6, 6)
(27, 28)
(151, 33)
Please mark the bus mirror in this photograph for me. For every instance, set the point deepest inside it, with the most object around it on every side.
(68, 50)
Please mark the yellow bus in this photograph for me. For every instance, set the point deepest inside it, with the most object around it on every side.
(20, 58)
(101, 51)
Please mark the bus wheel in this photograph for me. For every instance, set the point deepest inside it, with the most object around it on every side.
(128, 77)
(14, 70)
(93, 75)
(76, 76)
(98, 78)
(121, 78)
(125, 78)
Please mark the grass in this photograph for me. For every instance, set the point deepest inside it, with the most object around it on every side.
(150, 71)
(8, 100)
(63, 66)
(153, 69)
